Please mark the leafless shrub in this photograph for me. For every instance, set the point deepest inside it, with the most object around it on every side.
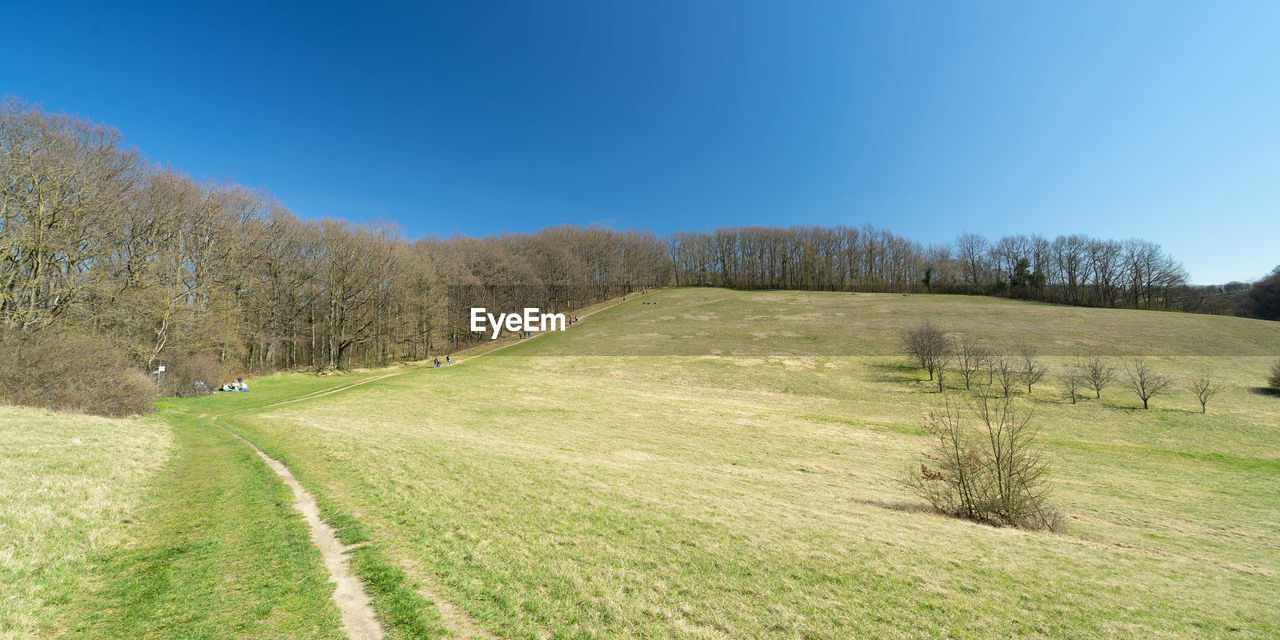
(927, 345)
(1030, 368)
(1144, 381)
(72, 372)
(990, 473)
(1205, 385)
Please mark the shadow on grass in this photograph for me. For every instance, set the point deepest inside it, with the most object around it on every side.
(895, 372)
(1138, 410)
(1059, 527)
(904, 507)
(1266, 391)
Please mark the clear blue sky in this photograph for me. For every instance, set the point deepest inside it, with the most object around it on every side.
(1116, 119)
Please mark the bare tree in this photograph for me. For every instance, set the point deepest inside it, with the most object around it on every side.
(1002, 373)
(1205, 385)
(1072, 382)
(927, 345)
(1144, 381)
(941, 365)
(970, 356)
(1031, 369)
(1097, 374)
(971, 250)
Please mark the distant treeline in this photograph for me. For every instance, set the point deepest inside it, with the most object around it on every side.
(1068, 269)
(1076, 269)
(96, 242)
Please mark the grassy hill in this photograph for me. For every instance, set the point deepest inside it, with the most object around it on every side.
(724, 322)
(732, 470)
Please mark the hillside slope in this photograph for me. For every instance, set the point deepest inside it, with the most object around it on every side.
(725, 322)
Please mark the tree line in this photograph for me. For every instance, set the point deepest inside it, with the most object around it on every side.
(1076, 269)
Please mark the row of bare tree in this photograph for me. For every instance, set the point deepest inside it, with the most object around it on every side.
(940, 354)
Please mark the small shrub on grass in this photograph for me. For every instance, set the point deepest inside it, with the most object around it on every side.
(990, 472)
(1274, 380)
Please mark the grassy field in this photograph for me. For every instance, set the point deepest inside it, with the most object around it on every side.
(721, 464)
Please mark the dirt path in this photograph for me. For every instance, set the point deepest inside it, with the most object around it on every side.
(326, 392)
(358, 620)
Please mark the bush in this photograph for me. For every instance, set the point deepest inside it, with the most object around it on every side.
(1274, 380)
(192, 374)
(72, 372)
(991, 473)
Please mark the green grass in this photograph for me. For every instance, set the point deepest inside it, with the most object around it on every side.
(716, 465)
(221, 554)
